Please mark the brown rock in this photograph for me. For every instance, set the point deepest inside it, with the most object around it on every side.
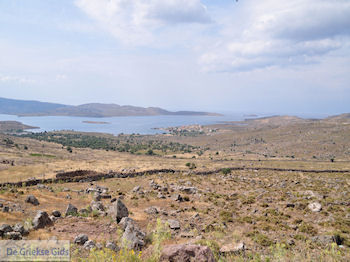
(187, 253)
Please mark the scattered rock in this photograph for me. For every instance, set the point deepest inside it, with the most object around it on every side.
(13, 235)
(112, 246)
(232, 248)
(188, 190)
(71, 210)
(160, 195)
(326, 239)
(187, 253)
(5, 228)
(174, 224)
(97, 196)
(41, 220)
(32, 200)
(133, 238)
(152, 210)
(125, 222)
(136, 189)
(20, 229)
(315, 207)
(56, 213)
(97, 205)
(118, 210)
(89, 244)
(81, 239)
(176, 197)
(290, 205)
(106, 196)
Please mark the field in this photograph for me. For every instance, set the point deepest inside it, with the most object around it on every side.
(252, 182)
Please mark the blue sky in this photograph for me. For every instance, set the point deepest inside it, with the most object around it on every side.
(269, 56)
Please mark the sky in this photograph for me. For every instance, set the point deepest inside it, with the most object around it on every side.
(266, 56)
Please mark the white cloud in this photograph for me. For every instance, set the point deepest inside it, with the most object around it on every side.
(16, 79)
(135, 21)
(279, 33)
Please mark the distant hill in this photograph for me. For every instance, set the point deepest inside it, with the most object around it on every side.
(13, 126)
(36, 108)
(277, 120)
(345, 116)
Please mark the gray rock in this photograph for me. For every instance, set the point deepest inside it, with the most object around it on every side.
(176, 197)
(97, 205)
(125, 222)
(71, 210)
(32, 200)
(56, 213)
(97, 196)
(5, 228)
(118, 210)
(327, 239)
(5, 209)
(13, 235)
(187, 253)
(40, 186)
(152, 210)
(20, 229)
(81, 239)
(136, 189)
(232, 248)
(188, 190)
(315, 207)
(41, 220)
(133, 238)
(112, 246)
(174, 224)
(160, 195)
(89, 244)
(106, 196)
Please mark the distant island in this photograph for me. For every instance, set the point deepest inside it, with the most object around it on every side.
(36, 108)
(96, 122)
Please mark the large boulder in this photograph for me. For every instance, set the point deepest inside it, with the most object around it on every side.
(187, 253)
(71, 210)
(133, 238)
(41, 220)
(32, 200)
(118, 210)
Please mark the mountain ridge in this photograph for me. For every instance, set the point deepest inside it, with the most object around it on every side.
(38, 108)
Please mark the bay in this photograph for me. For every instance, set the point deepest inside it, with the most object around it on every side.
(117, 125)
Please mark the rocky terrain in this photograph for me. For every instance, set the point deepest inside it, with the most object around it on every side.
(118, 206)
